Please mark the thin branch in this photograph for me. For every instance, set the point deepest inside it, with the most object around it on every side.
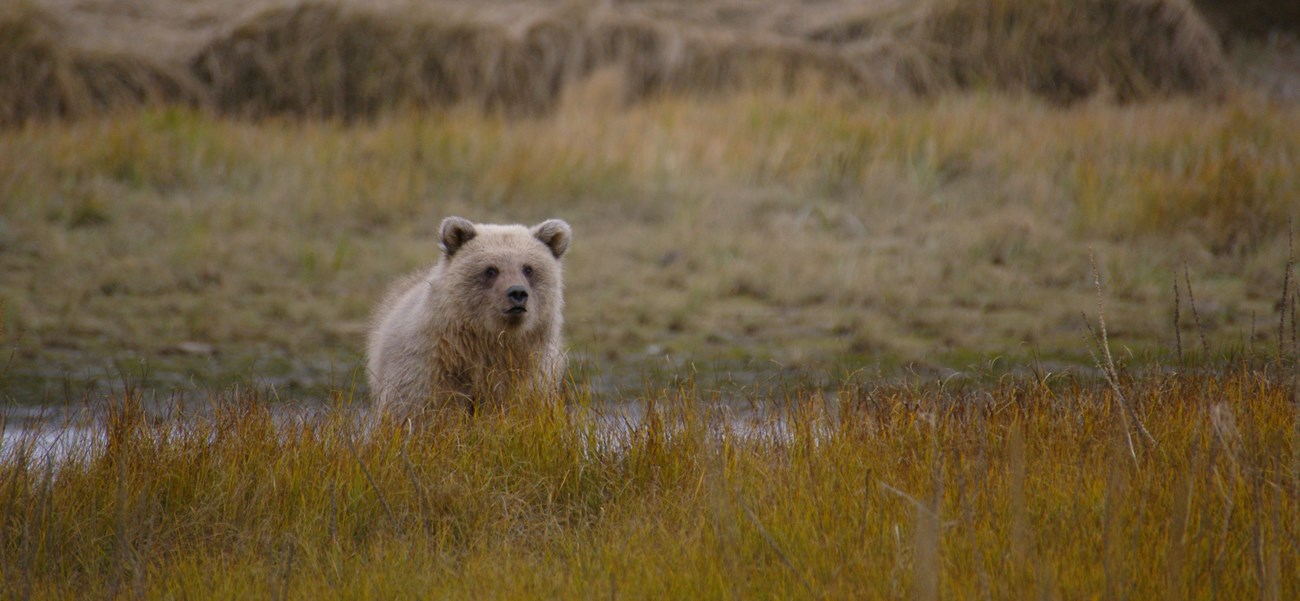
(1286, 295)
(1196, 316)
(1178, 334)
(1108, 368)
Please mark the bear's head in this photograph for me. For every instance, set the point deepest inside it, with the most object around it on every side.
(505, 278)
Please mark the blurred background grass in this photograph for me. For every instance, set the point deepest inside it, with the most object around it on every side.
(357, 59)
(208, 190)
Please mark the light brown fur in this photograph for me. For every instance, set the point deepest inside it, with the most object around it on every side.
(448, 335)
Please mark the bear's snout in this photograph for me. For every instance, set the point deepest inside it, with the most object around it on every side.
(518, 296)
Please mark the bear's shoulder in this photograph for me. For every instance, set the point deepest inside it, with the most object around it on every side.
(404, 286)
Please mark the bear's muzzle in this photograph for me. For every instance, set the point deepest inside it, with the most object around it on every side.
(518, 296)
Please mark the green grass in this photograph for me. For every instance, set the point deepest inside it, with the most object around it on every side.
(1025, 487)
(810, 230)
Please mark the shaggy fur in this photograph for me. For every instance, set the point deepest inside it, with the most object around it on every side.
(484, 321)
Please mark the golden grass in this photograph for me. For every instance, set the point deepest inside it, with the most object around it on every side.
(1019, 488)
(1224, 180)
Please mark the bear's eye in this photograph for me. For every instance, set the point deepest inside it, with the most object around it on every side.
(528, 271)
(490, 272)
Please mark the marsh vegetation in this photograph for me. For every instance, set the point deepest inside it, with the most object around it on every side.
(833, 302)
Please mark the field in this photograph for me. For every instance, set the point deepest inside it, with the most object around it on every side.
(945, 299)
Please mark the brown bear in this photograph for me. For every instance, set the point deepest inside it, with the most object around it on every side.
(482, 322)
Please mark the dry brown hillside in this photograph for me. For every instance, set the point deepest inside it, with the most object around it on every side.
(254, 57)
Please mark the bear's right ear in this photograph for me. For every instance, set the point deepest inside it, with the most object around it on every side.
(454, 233)
(555, 234)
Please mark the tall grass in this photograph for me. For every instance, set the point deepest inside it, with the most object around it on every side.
(1016, 489)
(1223, 181)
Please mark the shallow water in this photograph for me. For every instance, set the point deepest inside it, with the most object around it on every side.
(53, 435)
(61, 377)
(736, 398)
(46, 433)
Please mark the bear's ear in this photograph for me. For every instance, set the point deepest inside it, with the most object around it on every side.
(555, 234)
(454, 233)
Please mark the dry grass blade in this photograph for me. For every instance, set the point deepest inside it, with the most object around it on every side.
(780, 554)
(379, 492)
(926, 563)
(920, 505)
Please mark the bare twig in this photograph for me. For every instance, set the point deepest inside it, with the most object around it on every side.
(1250, 342)
(1286, 292)
(1094, 352)
(1108, 367)
(1196, 316)
(1295, 331)
(1290, 265)
(1178, 334)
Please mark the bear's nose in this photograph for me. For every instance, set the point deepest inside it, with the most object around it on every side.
(517, 294)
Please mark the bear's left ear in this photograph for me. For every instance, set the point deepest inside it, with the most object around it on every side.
(555, 234)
